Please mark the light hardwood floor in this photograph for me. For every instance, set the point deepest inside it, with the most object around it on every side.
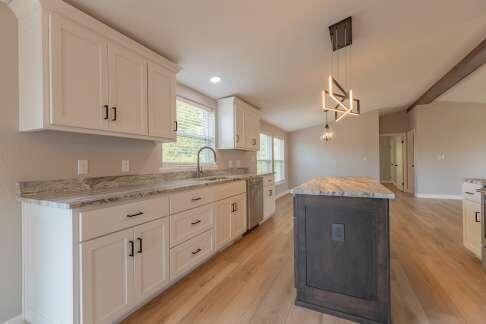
(434, 279)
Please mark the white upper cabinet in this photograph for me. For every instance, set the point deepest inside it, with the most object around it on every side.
(238, 125)
(79, 80)
(79, 75)
(128, 90)
(161, 103)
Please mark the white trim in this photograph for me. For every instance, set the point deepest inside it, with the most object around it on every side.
(434, 196)
(6, 1)
(283, 193)
(17, 319)
(386, 181)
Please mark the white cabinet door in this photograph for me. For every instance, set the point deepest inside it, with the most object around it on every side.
(161, 102)
(268, 201)
(222, 229)
(128, 91)
(79, 76)
(238, 216)
(472, 226)
(252, 130)
(240, 142)
(107, 277)
(151, 257)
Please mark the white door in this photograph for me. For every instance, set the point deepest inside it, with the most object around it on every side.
(222, 224)
(79, 76)
(107, 277)
(399, 142)
(238, 216)
(393, 169)
(151, 257)
(411, 161)
(128, 91)
(239, 126)
(161, 102)
(252, 130)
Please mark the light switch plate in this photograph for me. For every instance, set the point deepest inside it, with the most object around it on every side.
(83, 167)
(125, 166)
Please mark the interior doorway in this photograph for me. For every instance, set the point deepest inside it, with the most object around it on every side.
(395, 150)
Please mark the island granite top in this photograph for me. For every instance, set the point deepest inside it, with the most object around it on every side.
(359, 187)
(91, 192)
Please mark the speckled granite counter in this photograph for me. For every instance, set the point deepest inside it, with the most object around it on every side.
(478, 181)
(363, 187)
(88, 192)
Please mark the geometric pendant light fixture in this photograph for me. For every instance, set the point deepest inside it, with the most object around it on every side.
(336, 98)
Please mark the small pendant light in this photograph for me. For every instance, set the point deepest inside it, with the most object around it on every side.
(328, 134)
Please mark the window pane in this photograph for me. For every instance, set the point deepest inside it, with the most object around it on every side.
(264, 156)
(195, 130)
(279, 159)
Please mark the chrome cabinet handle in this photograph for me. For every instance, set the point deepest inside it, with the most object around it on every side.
(196, 222)
(196, 251)
(136, 214)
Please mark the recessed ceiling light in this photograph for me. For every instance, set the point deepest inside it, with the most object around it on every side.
(215, 79)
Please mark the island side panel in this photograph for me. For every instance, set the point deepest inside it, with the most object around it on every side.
(345, 276)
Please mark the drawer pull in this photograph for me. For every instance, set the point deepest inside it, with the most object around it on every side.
(468, 193)
(196, 251)
(140, 241)
(196, 222)
(196, 199)
(478, 221)
(132, 247)
(136, 214)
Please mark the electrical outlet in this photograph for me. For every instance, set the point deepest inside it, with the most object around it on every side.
(125, 167)
(83, 168)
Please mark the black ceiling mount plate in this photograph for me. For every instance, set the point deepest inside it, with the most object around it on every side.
(341, 34)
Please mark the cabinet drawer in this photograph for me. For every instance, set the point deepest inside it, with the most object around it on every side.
(471, 191)
(103, 221)
(268, 180)
(189, 254)
(188, 224)
(190, 199)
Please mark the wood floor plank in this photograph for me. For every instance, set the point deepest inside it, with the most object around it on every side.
(434, 279)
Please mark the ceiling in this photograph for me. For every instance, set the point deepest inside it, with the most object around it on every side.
(274, 53)
(470, 89)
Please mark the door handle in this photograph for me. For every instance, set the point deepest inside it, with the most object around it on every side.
(114, 114)
(140, 241)
(196, 199)
(132, 247)
(476, 216)
(107, 112)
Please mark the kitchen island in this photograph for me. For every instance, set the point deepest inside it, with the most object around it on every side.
(342, 247)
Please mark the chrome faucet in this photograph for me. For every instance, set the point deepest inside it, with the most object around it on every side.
(199, 168)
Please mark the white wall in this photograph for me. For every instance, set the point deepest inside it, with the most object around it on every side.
(354, 150)
(458, 130)
(50, 155)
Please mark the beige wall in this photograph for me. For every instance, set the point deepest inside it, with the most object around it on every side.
(458, 131)
(49, 155)
(273, 130)
(354, 150)
(397, 122)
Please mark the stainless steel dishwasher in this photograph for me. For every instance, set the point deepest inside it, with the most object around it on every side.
(254, 201)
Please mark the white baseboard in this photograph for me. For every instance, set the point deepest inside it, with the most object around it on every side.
(433, 196)
(386, 181)
(283, 193)
(16, 320)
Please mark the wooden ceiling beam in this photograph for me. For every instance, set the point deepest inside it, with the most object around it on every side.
(466, 66)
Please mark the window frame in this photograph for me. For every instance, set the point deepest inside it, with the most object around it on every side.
(272, 153)
(284, 178)
(185, 166)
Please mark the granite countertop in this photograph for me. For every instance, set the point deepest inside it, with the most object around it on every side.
(361, 187)
(478, 181)
(80, 193)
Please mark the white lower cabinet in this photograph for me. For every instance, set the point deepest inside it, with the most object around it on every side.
(120, 269)
(472, 227)
(222, 224)
(238, 216)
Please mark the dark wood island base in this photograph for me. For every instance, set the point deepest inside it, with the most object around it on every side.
(342, 248)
